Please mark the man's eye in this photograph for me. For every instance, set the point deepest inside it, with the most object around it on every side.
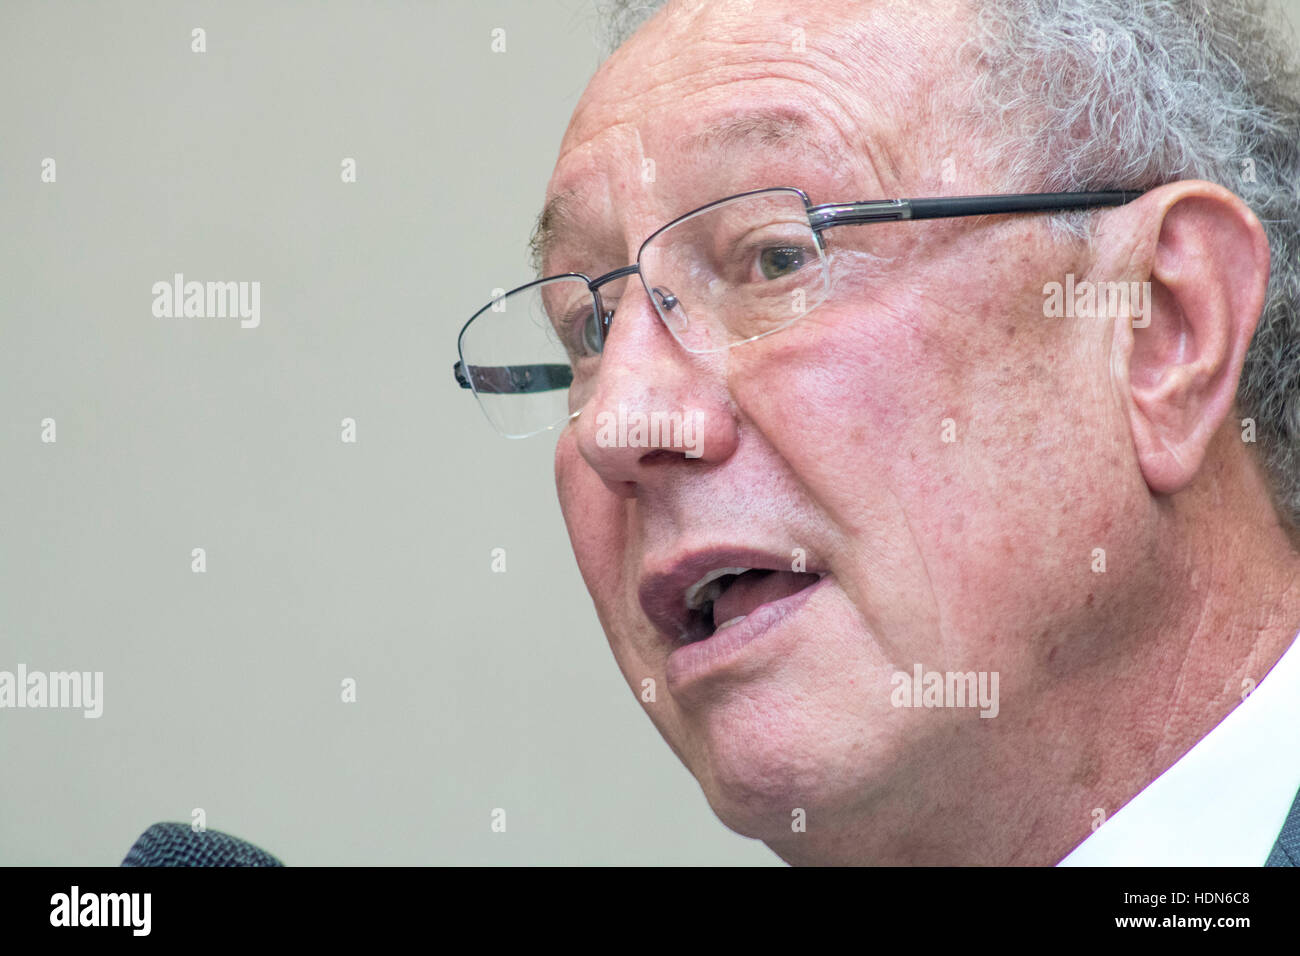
(593, 334)
(775, 262)
(581, 333)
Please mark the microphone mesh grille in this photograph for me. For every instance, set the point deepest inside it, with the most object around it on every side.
(177, 844)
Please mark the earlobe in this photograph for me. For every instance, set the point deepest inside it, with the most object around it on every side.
(1208, 275)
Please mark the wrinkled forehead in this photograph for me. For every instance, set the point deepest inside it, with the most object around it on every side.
(703, 104)
(639, 177)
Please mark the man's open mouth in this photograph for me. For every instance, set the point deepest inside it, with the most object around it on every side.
(726, 596)
(706, 592)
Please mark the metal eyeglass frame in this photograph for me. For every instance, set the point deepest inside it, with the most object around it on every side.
(520, 379)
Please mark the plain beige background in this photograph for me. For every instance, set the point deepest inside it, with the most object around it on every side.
(372, 561)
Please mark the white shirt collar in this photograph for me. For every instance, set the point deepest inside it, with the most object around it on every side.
(1223, 802)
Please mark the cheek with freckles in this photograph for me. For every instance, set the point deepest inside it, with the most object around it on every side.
(939, 442)
(849, 404)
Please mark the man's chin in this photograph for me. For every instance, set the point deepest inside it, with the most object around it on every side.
(776, 813)
(768, 783)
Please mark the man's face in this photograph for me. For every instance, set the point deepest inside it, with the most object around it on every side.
(937, 458)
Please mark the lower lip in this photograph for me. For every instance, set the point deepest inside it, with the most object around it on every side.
(694, 662)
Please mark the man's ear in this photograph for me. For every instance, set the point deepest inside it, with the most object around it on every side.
(1207, 257)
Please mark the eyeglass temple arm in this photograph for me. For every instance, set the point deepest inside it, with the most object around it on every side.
(516, 379)
(512, 379)
(889, 210)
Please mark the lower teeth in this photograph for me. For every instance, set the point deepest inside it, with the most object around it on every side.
(734, 620)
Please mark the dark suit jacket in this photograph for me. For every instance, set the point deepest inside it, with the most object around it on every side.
(1286, 851)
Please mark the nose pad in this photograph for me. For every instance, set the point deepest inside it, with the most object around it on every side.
(668, 303)
(666, 298)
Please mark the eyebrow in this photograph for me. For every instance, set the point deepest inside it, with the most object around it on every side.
(759, 129)
(554, 221)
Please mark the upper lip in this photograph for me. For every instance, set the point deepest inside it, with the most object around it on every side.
(664, 583)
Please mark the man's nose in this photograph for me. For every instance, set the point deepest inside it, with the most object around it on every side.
(653, 404)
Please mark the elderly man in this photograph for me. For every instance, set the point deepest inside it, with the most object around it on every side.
(944, 530)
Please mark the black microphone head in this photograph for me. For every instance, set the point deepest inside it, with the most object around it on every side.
(179, 844)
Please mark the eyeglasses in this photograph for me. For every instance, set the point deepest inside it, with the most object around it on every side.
(727, 273)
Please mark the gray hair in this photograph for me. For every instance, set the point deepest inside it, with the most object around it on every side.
(1086, 94)
(617, 20)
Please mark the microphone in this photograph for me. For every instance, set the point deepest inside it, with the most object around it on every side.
(178, 844)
